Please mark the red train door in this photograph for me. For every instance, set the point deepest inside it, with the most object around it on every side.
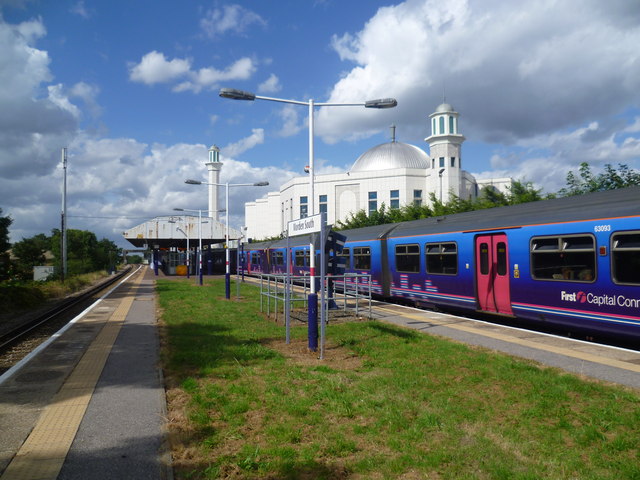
(492, 273)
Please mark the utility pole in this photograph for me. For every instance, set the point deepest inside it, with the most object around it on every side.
(63, 221)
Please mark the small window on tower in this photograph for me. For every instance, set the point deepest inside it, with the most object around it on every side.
(395, 199)
(453, 161)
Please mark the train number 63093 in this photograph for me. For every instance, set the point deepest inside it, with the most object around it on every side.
(602, 228)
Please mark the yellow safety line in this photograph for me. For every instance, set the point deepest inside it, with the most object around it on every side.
(526, 343)
(43, 453)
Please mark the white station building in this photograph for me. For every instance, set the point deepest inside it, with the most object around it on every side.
(392, 173)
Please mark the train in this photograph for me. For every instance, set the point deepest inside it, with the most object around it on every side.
(569, 264)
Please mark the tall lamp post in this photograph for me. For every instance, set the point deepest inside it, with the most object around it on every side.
(234, 94)
(227, 274)
(184, 232)
(199, 238)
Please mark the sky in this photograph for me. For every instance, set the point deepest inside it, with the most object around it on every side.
(130, 88)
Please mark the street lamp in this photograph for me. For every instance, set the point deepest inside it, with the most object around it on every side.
(187, 237)
(234, 94)
(199, 237)
(227, 274)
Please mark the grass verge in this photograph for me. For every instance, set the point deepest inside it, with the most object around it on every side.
(19, 296)
(386, 403)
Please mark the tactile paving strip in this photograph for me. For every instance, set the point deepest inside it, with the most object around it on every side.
(43, 453)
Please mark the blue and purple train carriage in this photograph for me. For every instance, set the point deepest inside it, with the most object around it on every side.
(571, 263)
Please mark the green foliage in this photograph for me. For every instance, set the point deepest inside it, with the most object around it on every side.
(134, 259)
(519, 192)
(19, 297)
(30, 252)
(585, 181)
(85, 253)
(5, 222)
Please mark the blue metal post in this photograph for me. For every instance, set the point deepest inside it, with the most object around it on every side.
(155, 261)
(313, 322)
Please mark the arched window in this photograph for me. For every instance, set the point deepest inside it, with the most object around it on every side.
(433, 127)
(451, 129)
(441, 125)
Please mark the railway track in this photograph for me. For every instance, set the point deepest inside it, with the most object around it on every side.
(23, 337)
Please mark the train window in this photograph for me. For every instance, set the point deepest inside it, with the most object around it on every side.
(255, 259)
(362, 258)
(347, 258)
(502, 259)
(300, 256)
(277, 257)
(484, 258)
(625, 258)
(442, 258)
(408, 258)
(570, 258)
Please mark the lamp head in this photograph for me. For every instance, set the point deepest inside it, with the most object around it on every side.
(235, 94)
(261, 184)
(193, 182)
(381, 103)
(179, 209)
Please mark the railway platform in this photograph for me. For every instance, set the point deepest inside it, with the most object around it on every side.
(91, 404)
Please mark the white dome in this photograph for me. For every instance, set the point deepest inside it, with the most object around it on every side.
(391, 155)
(444, 107)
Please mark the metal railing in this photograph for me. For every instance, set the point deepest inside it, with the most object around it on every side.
(347, 292)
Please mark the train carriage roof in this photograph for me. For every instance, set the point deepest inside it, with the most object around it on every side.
(600, 205)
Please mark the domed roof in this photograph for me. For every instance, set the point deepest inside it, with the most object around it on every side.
(391, 155)
(444, 107)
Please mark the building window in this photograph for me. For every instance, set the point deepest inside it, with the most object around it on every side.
(451, 125)
(441, 162)
(417, 198)
(304, 207)
(441, 125)
(433, 163)
(567, 258)
(373, 202)
(433, 126)
(322, 203)
(453, 161)
(395, 199)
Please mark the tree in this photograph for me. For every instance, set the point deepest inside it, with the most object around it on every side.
(30, 252)
(585, 181)
(5, 223)
(84, 252)
(524, 192)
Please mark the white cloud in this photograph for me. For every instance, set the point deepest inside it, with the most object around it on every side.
(230, 18)
(154, 68)
(291, 122)
(513, 69)
(270, 85)
(32, 126)
(241, 146)
(80, 9)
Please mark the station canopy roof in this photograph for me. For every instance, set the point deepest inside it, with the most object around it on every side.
(174, 230)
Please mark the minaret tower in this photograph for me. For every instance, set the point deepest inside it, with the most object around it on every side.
(214, 166)
(445, 146)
